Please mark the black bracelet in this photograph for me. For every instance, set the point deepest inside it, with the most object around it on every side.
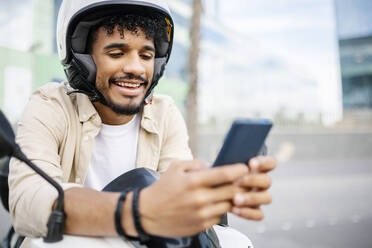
(118, 212)
(142, 235)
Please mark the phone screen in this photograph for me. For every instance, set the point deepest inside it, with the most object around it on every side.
(244, 141)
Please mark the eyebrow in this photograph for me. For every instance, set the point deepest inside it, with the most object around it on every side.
(115, 45)
(149, 48)
(123, 45)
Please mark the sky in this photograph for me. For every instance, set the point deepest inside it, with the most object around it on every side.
(289, 54)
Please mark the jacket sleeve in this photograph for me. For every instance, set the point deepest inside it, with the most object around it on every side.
(39, 133)
(175, 139)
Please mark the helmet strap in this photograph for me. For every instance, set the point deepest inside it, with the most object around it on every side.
(148, 98)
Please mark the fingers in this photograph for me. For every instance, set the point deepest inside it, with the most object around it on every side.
(209, 223)
(260, 181)
(252, 199)
(215, 210)
(249, 213)
(219, 175)
(206, 196)
(262, 164)
(211, 214)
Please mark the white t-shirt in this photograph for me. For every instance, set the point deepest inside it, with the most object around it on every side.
(114, 153)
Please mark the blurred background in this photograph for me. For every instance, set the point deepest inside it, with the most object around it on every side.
(305, 64)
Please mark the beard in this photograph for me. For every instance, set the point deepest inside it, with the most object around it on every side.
(131, 108)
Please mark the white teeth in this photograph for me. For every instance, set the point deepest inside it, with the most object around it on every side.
(128, 84)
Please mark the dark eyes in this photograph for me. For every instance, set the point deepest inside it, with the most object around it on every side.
(118, 55)
(146, 57)
(115, 55)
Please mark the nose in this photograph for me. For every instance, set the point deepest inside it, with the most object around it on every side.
(133, 65)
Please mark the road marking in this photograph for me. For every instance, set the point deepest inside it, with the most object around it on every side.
(310, 223)
(285, 152)
(286, 226)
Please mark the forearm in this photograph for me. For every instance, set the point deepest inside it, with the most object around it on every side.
(91, 213)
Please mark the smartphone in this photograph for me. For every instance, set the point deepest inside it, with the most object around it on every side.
(244, 141)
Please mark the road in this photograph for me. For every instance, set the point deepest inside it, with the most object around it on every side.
(319, 204)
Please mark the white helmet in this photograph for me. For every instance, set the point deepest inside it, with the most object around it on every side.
(77, 17)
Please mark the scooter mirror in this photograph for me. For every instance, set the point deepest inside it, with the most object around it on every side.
(7, 137)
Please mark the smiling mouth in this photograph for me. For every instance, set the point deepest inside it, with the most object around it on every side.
(127, 85)
(129, 82)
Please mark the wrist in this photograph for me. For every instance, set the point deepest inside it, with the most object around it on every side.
(146, 211)
(127, 217)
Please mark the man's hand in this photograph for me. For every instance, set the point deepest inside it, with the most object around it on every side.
(187, 200)
(254, 189)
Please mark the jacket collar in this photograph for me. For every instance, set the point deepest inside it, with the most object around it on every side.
(148, 121)
(86, 109)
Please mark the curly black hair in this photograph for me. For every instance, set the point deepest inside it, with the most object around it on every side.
(154, 27)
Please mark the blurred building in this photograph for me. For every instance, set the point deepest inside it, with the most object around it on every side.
(355, 43)
(27, 57)
(356, 68)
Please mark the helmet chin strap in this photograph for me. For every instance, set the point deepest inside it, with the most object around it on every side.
(159, 68)
(148, 98)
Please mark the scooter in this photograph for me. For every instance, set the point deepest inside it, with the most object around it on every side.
(135, 179)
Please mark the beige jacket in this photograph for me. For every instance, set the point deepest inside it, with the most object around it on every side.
(57, 132)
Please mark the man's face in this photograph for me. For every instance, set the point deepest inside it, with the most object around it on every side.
(125, 67)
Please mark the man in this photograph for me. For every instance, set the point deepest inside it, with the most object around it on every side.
(105, 121)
